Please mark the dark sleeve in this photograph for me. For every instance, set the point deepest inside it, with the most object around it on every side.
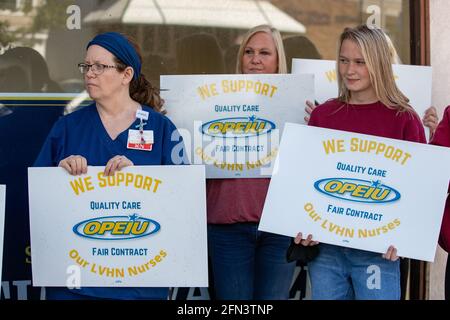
(173, 149)
(442, 138)
(444, 236)
(442, 135)
(52, 150)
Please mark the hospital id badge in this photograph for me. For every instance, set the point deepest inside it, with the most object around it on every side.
(140, 140)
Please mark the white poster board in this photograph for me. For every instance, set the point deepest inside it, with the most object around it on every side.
(232, 123)
(414, 81)
(358, 191)
(143, 227)
(2, 228)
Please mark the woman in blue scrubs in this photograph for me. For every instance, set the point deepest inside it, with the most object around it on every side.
(123, 127)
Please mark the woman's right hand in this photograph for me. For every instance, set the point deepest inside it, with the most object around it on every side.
(431, 120)
(305, 242)
(309, 108)
(74, 165)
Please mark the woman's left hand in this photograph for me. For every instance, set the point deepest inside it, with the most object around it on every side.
(305, 242)
(116, 164)
(391, 254)
(310, 106)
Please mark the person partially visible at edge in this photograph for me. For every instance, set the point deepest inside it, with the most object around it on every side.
(369, 102)
(248, 264)
(98, 135)
(442, 138)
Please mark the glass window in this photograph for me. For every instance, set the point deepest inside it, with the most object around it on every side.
(183, 36)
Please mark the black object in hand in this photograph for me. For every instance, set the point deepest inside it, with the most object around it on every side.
(304, 254)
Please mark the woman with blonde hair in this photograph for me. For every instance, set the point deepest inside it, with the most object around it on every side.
(430, 118)
(248, 264)
(266, 32)
(369, 102)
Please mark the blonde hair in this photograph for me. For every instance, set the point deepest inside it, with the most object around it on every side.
(395, 58)
(378, 56)
(276, 36)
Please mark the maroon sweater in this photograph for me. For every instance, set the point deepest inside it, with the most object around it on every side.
(375, 119)
(442, 138)
(235, 200)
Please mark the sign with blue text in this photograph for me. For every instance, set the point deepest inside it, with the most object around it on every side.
(233, 123)
(2, 226)
(414, 81)
(143, 227)
(358, 191)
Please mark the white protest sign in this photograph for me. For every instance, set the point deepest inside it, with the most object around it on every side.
(358, 191)
(2, 227)
(414, 81)
(232, 123)
(143, 227)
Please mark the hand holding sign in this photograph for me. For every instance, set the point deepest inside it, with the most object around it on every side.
(361, 196)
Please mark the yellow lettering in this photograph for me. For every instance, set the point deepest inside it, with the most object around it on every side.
(272, 92)
(81, 185)
(331, 75)
(333, 146)
(206, 92)
(265, 89)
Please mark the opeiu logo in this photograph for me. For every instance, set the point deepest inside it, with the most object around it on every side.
(357, 190)
(237, 127)
(116, 227)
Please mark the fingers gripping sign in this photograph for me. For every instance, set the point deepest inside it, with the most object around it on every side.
(116, 164)
(431, 119)
(305, 242)
(391, 254)
(74, 165)
(309, 109)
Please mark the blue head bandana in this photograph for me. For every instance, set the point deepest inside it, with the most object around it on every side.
(119, 46)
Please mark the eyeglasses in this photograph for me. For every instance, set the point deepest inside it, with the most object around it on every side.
(97, 68)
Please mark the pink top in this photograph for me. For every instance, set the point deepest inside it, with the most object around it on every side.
(442, 138)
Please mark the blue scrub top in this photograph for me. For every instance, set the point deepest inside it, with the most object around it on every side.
(82, 133)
